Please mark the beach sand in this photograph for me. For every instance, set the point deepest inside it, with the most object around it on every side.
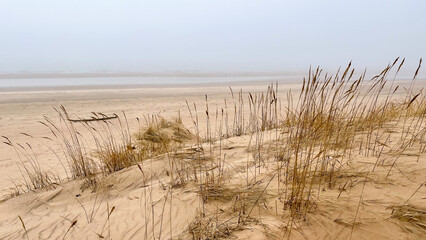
(22, 109)
(143, 210)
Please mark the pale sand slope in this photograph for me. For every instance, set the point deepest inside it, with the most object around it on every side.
(49, 214)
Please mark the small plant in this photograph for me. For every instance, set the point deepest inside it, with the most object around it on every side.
(33, 175)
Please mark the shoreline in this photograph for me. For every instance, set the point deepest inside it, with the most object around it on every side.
(293, 80)
(146, 86)
(151, 74)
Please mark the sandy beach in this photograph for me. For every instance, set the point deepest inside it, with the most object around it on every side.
(128, 206)
(22, 109)
(212, 120)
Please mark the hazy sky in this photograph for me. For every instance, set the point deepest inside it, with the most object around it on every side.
(217, 35)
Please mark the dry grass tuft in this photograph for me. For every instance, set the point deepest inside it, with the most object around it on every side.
(33, 175)
(211, 228)
(162, 136)
(410, 214)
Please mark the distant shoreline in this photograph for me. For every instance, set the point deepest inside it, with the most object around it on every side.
(109, 86)
(149, 74)
(124, 86)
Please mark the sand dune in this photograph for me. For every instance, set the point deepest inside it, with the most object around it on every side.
(144, 201)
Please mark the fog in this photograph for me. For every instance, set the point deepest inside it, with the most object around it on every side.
(220, 35)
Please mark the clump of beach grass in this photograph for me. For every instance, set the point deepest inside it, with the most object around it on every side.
(410, 214)
(161, 136)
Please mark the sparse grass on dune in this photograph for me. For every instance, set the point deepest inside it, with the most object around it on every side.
(94, 146)
(33, 174)
(293, 153)
(332, 120)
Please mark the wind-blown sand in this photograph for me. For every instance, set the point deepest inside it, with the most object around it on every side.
(49, 214)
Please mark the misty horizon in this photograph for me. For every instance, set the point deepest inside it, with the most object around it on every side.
(219, 36)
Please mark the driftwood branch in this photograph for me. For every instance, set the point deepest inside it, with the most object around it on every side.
(93, 119)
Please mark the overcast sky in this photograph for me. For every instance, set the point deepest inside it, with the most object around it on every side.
(202, 35)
